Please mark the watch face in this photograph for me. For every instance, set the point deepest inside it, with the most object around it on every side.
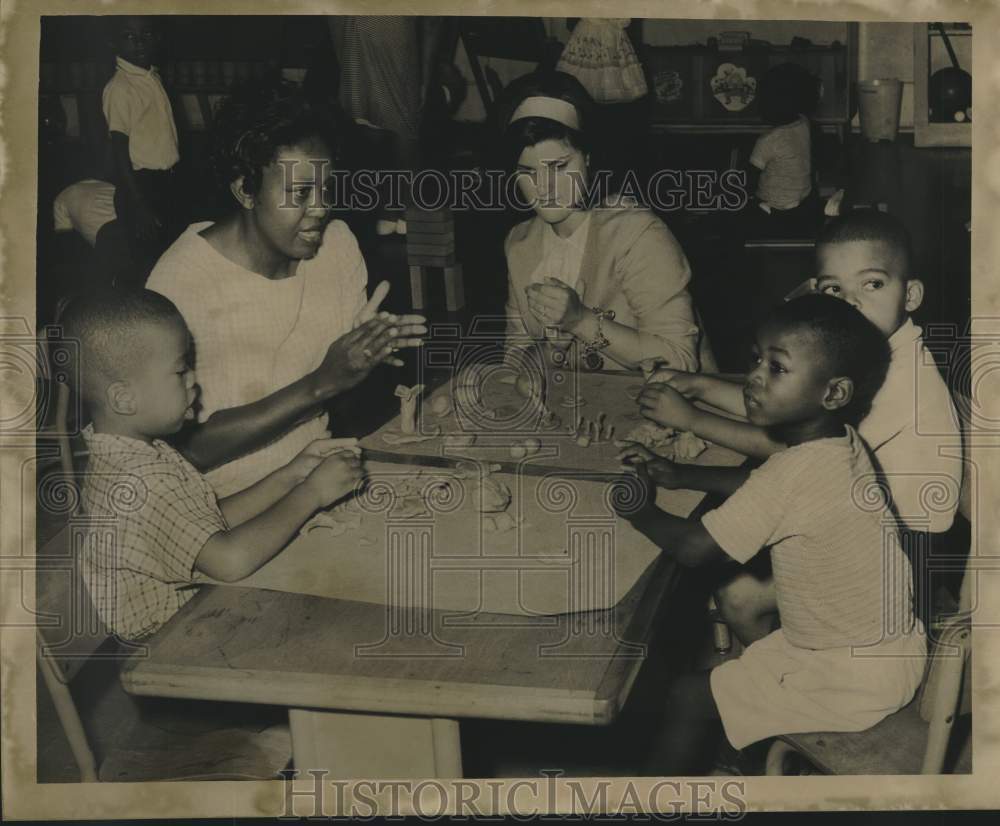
(593, 361)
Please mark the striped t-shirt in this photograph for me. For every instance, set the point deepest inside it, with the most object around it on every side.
(840, 574)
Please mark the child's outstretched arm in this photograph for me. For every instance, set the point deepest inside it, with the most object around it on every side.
(723, 392)
(662, 404)
(257, 498)
(674, 476)
(686, 541)
(232, 555)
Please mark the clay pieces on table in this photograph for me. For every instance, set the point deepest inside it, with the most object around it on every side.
(408, 397)
(344, 518)
(666, 441)
(589, 431)
(440, 405)
(412, 492)
(393, 437)
(526, 447)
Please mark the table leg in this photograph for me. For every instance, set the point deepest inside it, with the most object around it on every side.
(350, 745)
(418, 287)
(454, 287)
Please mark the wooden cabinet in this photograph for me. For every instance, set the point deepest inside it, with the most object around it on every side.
(695, 88)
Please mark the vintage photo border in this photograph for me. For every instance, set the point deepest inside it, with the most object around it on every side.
(23, 798)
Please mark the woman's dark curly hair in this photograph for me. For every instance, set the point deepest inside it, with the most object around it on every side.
(261, 116)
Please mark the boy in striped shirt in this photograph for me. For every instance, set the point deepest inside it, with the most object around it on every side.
(849, 650)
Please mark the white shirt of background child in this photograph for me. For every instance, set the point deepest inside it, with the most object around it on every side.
(136, 104)
(913, 430)
(783, 158)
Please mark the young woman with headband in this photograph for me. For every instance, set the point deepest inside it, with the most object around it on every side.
(611, 278)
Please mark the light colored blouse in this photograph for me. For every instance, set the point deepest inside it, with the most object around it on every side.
(254, 335)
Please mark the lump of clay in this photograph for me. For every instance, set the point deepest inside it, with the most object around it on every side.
(687, 446)
(441, 405)
(551, 421)
(494, 495)
(667, 442)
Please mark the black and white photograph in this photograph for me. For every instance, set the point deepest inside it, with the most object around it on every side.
(445, 413)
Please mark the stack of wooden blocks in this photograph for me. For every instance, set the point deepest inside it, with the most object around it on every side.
(430, 242)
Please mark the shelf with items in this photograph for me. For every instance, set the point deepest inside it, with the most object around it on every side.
(931, 54)
(698, 88)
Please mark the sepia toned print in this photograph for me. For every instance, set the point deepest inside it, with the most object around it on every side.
(433, 414)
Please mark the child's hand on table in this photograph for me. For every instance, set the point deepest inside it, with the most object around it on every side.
(662, 404)
(663, 472)
(685, 383)
(336, 476)
(315, 452)
(635, 492)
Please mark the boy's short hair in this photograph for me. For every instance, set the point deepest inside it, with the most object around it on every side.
(106, 325)
(870, 225)
(258, 118)
(787, 91)
(851, 345)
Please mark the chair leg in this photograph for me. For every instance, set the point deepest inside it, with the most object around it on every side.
(418, 286)
(945, 704)
(775, 764)
(70, 720)
(454, 288)
(721, 634)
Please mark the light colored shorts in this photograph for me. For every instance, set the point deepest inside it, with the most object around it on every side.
(778, 688)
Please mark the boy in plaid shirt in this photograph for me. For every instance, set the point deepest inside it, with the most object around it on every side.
(156, 523)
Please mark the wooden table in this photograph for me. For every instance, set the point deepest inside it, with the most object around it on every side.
(376, 692)
(367, 700)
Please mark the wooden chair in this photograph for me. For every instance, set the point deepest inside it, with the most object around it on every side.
(430, 244)
(70, 635)
(914, 740)
(152, 743)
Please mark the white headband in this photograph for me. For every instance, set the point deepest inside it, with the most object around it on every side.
(555, 109)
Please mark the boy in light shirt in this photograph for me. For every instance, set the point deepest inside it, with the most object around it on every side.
(863, 258)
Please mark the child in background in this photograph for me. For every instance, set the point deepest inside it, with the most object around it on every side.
(849, 650)
(167, 525)
(863, 258)
(781, 164)
(143, 147)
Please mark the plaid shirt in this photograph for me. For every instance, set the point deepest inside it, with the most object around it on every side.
(150, 513)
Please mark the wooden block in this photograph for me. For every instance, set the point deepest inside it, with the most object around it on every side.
(434, 239)
(430, 228)
(418, 286)
(454, 288)
(429, 249)
(431, 260)
(428, 216)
